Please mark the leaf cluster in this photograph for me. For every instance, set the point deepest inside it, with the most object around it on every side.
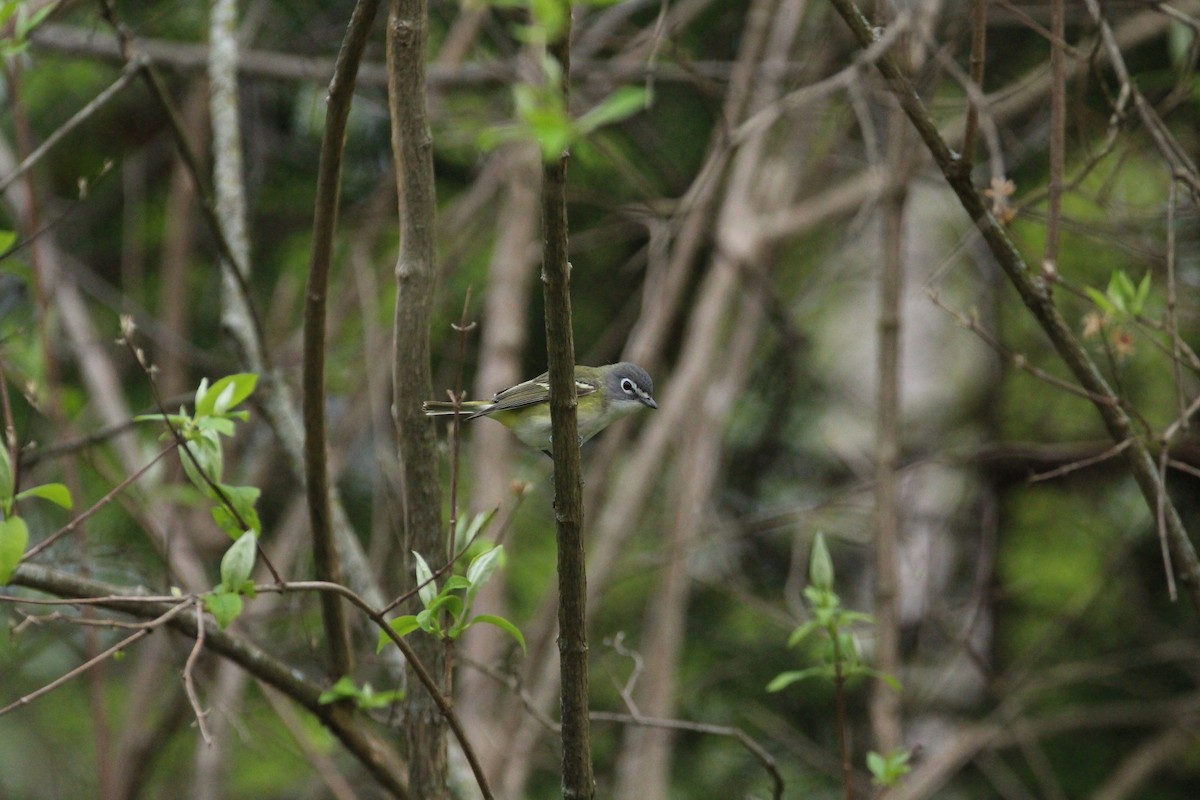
(199, 435)
(14, 531)
(447, 612)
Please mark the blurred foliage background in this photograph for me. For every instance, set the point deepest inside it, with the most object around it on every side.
(732, 237)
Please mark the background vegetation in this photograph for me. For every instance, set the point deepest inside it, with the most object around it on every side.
(835, 345)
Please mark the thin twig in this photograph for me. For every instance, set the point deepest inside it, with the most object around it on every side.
(213, 485)
(1074, 466)
(978, 61)
(1160, 518)
(441, 700)
(1172, 311)
(1018, 360)
(189, 682)
(190, 161)
(144, 630)
(757, 750)
(128, 73)
(1032, 287)
(374, 752)
(1058, 112)
(99, 504)
(10, 433)
(462, 328)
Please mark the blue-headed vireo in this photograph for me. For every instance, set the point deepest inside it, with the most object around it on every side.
(605, 395)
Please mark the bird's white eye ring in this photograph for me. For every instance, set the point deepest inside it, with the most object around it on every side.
(627, 385)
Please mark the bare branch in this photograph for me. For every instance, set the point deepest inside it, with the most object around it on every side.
(1035, 293)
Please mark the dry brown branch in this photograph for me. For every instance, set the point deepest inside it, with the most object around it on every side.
(190, 57)
(757, 750)
(1036, 295)
(144, 629)
(128, 73)
(189, 679)
(326, 560)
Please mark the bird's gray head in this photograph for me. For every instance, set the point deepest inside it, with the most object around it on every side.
(630, 383)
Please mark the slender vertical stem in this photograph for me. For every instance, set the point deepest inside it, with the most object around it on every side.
(1058, 112)
(577, 781)
(329, 175)
(978, 45)
(843, 720)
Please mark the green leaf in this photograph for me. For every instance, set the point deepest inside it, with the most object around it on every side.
(221, 425)
(365, 698)
(1139, 297)
(481, 569)
(370, 699)
(56, 493)
(225, 394)
(14, 538)
(429, 622)
(224, 606)
(343, 689)
(6, 478)
(550, 17)
(786, 679)
(888, 770)
(468, 527)
(455, 583)
(504, 625)
(178, 421)
(803, 632)
(624, 102)
(820, 565)
(26, 24)
(402, 626)
(451, 604)
(243, 516)
(428, 590)
(206, 453)
(1100, 299)
(238, 561)
(890, 680)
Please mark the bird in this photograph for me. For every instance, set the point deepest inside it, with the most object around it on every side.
(605, 395)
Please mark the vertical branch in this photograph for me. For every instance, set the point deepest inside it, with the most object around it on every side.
(1058, 111)
(978, 45)
(420, 496)
(843, 718)
(577, 779)
(212, 762)
(1037, 298)
(1172, 311)
(228, 193)
(329, 177)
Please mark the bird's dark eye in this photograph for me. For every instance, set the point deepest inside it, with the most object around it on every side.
(627, 385)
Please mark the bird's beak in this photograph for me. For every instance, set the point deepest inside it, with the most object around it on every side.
(648, 401)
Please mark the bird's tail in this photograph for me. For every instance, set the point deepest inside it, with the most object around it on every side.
(444, 408)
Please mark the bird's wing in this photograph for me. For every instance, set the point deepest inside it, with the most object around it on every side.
(536, 391)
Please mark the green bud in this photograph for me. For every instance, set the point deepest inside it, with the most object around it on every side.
(820, 565)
